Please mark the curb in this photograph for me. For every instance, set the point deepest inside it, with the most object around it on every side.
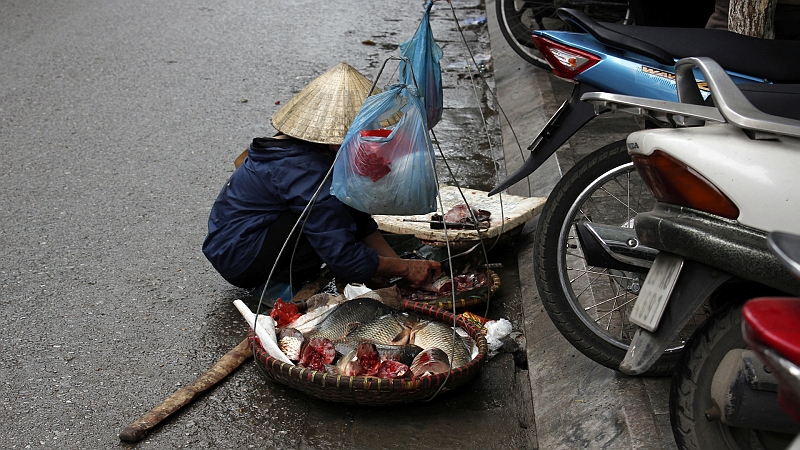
(577, 403)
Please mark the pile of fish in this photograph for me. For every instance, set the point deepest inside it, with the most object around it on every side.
(463, 282)
(363, 337)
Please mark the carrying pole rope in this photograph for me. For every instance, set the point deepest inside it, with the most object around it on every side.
(465, 46)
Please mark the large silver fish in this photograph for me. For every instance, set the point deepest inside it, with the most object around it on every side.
(401, 353)
(353, 363)
(391, 329)
(319, 306)
(430, 334)
(347, 317)
(363, 360)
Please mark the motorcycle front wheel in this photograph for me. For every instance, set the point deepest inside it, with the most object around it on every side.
(690, 392)
(519, 18)
(591, 305)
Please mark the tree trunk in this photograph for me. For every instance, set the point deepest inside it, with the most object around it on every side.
(752, 18)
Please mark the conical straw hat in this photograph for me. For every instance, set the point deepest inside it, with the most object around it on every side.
(323, 111)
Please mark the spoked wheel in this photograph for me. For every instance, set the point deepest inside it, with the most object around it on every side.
(690, 393)
(591, 305)
(518, 19)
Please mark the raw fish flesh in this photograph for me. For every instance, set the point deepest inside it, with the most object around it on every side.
(317, 353)
(430, 361)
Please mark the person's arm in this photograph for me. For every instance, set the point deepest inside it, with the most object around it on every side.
(376, 242)
(330, 229)
(418, 272)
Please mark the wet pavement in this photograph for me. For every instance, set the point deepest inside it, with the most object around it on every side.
(119, 122)
(577, 403)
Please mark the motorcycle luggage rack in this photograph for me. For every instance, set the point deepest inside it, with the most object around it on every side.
(731, 106)
(676, 114)
(729, 100)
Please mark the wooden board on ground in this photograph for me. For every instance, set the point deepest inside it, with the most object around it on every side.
(509, 212)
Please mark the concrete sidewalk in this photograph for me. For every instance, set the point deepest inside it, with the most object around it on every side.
(577, 403)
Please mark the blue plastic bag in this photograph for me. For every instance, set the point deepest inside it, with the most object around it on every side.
(424, 55)
(387, 171)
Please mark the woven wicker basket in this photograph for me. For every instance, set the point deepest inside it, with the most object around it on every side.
(365, 390)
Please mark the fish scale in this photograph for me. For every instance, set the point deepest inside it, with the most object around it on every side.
(348, 315)
(391, 329)
(437, 335)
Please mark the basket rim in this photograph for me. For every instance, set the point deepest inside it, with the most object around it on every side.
(292, 374)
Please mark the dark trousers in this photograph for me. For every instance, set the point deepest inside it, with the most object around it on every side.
(304, 266)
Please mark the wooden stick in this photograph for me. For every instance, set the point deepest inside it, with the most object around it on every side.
(454, 225)
(232, 360)
(309, 290)
(137, 431)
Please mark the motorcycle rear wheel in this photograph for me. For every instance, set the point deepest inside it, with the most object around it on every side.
(518, 19)
(589, 305)
(690, 392)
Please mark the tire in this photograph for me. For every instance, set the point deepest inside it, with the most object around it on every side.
(690, 393)
(518, 19)
(590, 306)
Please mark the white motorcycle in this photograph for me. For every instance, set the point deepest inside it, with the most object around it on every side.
(724, 177)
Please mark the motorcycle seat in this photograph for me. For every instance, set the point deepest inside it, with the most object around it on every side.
(774, 322)
(774, 60)
(777, 99)
(765, 58)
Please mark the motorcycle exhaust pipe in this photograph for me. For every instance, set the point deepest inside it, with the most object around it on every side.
(614, 247)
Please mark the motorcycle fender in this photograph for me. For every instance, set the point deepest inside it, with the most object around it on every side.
(696, 282)
(570, 117)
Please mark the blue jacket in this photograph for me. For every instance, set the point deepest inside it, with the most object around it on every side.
(280, 175)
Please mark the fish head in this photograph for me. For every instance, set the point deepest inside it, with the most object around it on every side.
(432, 360)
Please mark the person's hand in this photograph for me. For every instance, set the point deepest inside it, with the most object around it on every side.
(421, 272)
(418, 272)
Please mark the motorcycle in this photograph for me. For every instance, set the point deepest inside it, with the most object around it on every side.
(723, 180)
(738, 381)
(770, 330)
(589, 300)
(518, 19)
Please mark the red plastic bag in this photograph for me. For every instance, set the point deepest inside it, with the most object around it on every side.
(370, 158)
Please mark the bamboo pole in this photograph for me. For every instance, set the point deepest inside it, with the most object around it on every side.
(137, 431)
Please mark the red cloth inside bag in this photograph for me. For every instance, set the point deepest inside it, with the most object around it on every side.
(368, 158)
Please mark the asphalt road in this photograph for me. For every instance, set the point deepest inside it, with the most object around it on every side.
(119, 123)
